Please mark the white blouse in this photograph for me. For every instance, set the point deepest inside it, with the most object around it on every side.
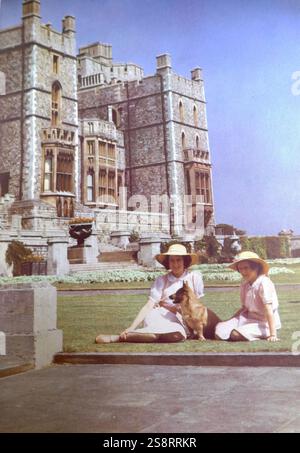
(166, 285)
(260, 293)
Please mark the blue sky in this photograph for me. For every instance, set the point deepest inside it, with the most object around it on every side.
(249, 51)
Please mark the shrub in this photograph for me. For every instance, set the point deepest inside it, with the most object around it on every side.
(209, 247)
(16, 254)
(267, 247)
(164, 246)
(254, 244)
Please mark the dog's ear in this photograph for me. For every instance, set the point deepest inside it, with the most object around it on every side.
(185, 285)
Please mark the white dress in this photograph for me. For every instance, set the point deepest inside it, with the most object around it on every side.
(251, 323)
(160, 320)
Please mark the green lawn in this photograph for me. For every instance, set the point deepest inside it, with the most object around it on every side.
(83, 317)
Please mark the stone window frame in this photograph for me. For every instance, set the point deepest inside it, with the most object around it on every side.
(203, 185)
(56, 103)
(64, 172)
(90, 187)
(181, 111)
(195, 116)
(183, 141)
(55, 64)
(116, 116)
(91, 128)
(48, 156)
(91, 147)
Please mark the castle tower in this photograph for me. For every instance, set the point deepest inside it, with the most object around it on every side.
(163, 118)
(42, 139)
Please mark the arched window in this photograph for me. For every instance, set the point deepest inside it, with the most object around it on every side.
(91, 128)
(66, 208)
(58, 207)
(116, 117)
(48, 173)
(195, 115)
(197, 142)
(90, 185)
(71, 208)
(181, 112)
(183, 144)
(56, 104)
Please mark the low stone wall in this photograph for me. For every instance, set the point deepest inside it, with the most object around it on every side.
(118, 220)
(295, 246)
(28, 320)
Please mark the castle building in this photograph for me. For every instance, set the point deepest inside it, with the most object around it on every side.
(76, 128)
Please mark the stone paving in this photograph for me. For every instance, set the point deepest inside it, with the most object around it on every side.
(151, 399)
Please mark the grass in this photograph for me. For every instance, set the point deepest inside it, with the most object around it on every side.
(83, 317)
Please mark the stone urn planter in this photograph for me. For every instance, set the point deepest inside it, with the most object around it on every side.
(79, 229)
(80, 232)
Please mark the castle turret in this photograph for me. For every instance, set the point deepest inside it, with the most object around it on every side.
(163, 63)
(69, 25)
(31, 8)
(196, 74)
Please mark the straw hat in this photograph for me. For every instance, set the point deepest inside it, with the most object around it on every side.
(177, 250)
(250, 256)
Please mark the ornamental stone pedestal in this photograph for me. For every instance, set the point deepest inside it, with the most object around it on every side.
(28, 321)
(149, 247)
(58, 263)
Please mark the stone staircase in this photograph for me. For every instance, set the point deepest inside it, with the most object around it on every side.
(105, 267)
(111, 258)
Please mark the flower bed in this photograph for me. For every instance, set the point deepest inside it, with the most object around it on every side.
(210, 273)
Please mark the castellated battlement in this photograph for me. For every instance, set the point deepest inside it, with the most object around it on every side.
(96, 67)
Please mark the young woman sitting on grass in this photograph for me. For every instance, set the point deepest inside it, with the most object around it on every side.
(161, 318)
(258, 318)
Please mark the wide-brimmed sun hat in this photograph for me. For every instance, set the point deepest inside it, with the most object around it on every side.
(177, 250)
(249, 256)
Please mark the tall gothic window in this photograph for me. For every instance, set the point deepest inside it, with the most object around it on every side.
(64, 174)
(195, 115)
(90, 185)
(197, 142)
(91, 148)
(48, 173)
(115, 116)
(202, 183)
(181, 112)
(183, 144)
(102, 181)
(111, 151)
(55, 64)
(111, 183)
(56, 104)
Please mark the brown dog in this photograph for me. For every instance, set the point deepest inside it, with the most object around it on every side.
(198, 318)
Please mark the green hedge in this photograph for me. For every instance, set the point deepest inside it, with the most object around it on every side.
(267, 247)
